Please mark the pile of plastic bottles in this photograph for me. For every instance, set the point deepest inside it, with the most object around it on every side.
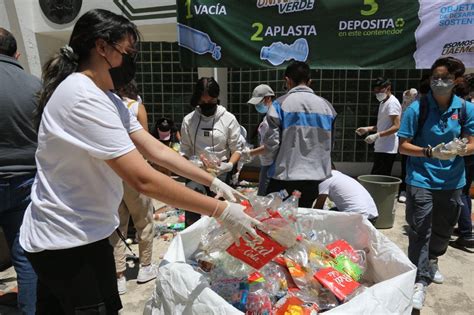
(289, 270)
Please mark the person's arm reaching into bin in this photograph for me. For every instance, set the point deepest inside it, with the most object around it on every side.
(162, 155)
(134, 170)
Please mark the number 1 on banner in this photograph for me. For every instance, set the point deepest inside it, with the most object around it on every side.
(374, 7)
(189, 15)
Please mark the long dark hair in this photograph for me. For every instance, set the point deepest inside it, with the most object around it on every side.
(203, 86)
(94, 24)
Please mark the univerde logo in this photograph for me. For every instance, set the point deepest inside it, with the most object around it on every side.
(287, 6)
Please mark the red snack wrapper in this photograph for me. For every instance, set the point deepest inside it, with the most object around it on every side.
(294, 305)
(258, 252)
(340, 284)
(340, 247)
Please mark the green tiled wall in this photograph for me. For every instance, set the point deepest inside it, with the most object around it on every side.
(348, 90)
(166, 89)
(165, 86)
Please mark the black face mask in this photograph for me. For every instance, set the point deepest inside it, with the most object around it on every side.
(208, 109)
(123, 74)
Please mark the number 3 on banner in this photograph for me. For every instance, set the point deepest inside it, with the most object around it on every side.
(189, 15)
(256, 36)
(374, 7)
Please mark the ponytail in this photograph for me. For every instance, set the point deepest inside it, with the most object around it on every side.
(94, 24)
(55, 70)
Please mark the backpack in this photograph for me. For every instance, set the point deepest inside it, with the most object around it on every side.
(424, 108)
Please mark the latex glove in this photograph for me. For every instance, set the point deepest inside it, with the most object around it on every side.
(238, 223)
(225, 167)
(439, 152)
(362, 130)
(372, 138)
(222, 189)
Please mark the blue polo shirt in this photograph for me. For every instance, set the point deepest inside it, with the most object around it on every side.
(439, 127)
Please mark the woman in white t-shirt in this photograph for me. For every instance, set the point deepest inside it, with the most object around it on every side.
(88, 142)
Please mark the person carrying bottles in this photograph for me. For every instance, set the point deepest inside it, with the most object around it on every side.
(435, 172)
(210, 128)
(88, 143)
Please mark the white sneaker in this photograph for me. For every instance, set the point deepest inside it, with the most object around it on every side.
(418, 296)
(122, 285)
(147, 273)
(402, 198)
(436, 276)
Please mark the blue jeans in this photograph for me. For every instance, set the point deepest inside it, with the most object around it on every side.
(14, 198)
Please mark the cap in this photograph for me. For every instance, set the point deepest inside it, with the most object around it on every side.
(259, 93)
(164, 129)
(381, 82)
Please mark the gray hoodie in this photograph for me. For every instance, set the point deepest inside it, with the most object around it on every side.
(220, 133)
(299, 136)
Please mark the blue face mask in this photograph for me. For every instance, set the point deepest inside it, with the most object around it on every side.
(261, 108)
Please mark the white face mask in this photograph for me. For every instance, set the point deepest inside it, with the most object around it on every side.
(381, 96)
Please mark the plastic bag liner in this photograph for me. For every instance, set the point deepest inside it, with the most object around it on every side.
(181, 290)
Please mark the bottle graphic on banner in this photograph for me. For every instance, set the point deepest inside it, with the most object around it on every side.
(278, 52)
(198, 42)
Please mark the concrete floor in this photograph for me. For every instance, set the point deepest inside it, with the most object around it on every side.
(454, 297)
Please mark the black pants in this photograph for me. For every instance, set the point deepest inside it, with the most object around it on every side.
(403, 185)
(80, 280)
(431, 215)
(191, 217)
(383, 163)
(309, 189)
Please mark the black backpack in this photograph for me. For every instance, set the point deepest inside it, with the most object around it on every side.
(424, 108)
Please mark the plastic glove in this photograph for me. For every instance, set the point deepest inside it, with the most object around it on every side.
(222, 189)
(439, 152)
(225, 167)
(372, 138)
(238, 223)
(362, 130)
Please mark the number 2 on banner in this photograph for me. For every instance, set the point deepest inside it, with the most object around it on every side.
(374, 7)
(256, 36)
(189, 15)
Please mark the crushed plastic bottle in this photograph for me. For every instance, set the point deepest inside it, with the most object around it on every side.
(278, 52)
(198, 42)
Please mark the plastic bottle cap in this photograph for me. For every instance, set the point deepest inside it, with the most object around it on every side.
(296, 193)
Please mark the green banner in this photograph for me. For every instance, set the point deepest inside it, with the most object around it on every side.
(324, 33)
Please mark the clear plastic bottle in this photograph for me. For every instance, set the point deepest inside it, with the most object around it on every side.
(289, 209)
(278, 52)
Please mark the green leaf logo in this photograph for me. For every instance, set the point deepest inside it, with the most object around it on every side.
(400, 22)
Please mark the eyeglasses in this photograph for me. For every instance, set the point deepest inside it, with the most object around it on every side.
(132, 52)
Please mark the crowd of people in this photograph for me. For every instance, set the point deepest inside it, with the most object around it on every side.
(77, 161)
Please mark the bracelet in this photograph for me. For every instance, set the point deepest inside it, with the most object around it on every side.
(215, 210)
(428, 152)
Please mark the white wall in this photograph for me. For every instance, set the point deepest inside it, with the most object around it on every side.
(38, 38)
